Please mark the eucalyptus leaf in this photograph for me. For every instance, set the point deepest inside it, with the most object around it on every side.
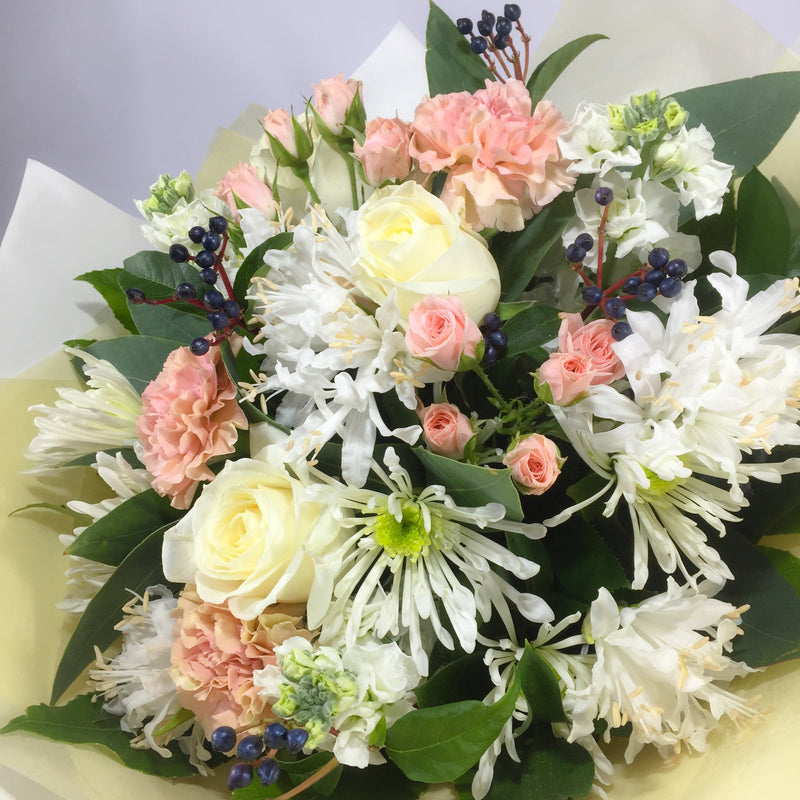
(540, 687)
(106, 281)
(112, 537)
(138, 358)
(546, 73)
(142, 568)
(450, 63)
(82, 721)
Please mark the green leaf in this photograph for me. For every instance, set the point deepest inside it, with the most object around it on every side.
(787, 564)
(519, 254)
(540, 687)
(294, 772)
(82, 722)
(464, 678)
(142, 568)
(772, 624)
(138, 358)
(106, 281)
(774, 510)
(114, 536)
(80, 519)
(255, 262)
(746, 117)
(450, 63)
(528, 330)
(762, 228)
(470, 485)
(556, 769)
(160, 274)
(441, 743)
(545, 74)
(165, 322)
(378, 780)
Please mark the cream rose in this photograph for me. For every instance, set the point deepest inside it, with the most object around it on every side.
(244, 540)
(412, 243)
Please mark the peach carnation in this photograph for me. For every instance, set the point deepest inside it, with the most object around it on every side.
(215, 654)
(503, 162)
(189, 414)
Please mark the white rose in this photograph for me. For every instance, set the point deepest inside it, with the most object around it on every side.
(244, 539)
(412, 243)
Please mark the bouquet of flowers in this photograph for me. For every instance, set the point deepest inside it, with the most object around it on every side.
(441, 451)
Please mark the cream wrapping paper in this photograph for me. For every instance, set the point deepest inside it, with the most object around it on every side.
(714, 42)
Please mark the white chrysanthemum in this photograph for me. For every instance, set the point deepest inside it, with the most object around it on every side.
(341, 697)
(84, 576)
(83, 422)
(659, 666)
(593, 145)
(707, 391)
(136, 683)
(410, 554)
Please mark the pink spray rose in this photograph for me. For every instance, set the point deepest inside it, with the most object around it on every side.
(503, 162)
(594, 340)
(384, 153)
(446, 429)
(189, 414)
(569, 375)
(535, 463)
(243, 182)
(440, 330)
(278, 123)
(332, 99)
(215, 654)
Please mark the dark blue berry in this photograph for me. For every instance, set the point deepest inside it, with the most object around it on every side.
(646, 292)
(677, 268)
(621, 330)
(614, 307)
(240, 776)
(631, 284)
(670, 287)
(250, 747)
(268, 771)
(185, 291)
(654, 276)
(492, 321)
(658, 257)
(490, 355)
(575, 253)
(197, 233)
(296, 740)
(592, 295)
(217, 320)
(232, 309)
(503, 26)
(585, 241)
(512, 11)
(208, 276)
(135, 296)
(178, 253)
(223, 739)
(603, 196)
(501, 41)
(211, 241)
(275, 736)
(199, 347)
(479, 45)
(484, 28)
(205, 259)
(497, 339)
(464, 26)
(218, 225)
(487, 16)
(213, 299)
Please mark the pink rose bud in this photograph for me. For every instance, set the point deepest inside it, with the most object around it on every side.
(569, 375)
(384, 153)
(440, 330)
(535, 463)
(243, 182)
(278, 123)
(446, 429)
(332, 99)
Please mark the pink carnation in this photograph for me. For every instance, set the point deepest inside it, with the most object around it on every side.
(189, 414)
(535, 464)
(446, 429)
(384, 153)
(332, 99)
(243, 182)
(440, 330)
(215, 654)
(503, 163)
(593, 340)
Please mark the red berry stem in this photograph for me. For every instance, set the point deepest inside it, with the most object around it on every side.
(601, 232)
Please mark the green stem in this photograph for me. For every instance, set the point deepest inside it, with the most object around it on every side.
(646, 154)
(501, 403)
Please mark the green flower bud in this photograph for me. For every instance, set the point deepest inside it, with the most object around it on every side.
(166, 192)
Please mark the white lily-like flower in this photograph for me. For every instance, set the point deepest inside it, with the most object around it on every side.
(409, 553)
(659, 666)
(83, 422)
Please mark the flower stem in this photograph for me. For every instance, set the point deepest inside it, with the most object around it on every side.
(326, 768)
(501, 404)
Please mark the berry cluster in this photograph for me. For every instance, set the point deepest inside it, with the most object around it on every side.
(250, 750)
(660, 275)
(494, 39)
(224, 314)
(495, 340)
